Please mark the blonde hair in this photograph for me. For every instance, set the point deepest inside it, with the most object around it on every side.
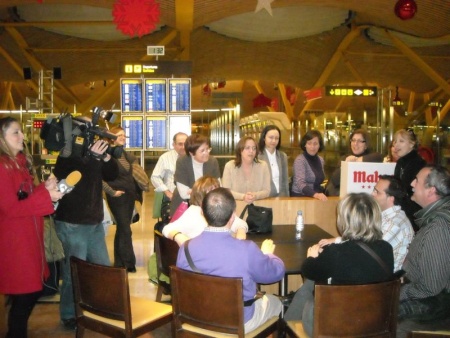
(359, 218)
(201, 187)
(407, 134)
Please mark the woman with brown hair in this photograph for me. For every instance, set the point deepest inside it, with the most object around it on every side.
(246, 176)
(196, 163)
(121, 195)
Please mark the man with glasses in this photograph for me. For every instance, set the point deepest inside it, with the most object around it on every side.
(396, 227)
(425, 295)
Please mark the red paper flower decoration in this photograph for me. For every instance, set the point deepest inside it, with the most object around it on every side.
(40, 1)
(405, 9)
(136, 17)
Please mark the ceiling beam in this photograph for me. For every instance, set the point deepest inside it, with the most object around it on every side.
(37, 65)
(418, 61)
(335, 58)
(184, 21)
(115, 84)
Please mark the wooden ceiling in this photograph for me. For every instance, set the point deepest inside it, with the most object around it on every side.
(412, 54)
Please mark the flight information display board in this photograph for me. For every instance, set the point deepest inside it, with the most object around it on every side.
(134, 131)
(155, 95)
(179, 95)
(177, 124)
(131, 95)
(155, 127)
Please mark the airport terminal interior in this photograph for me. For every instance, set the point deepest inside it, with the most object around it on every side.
(224, 69)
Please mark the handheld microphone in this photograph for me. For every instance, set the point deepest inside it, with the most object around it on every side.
(66, 185)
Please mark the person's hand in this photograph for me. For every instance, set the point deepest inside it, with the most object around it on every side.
(351, 158)
(267, 247)
(55, 195)
(320, 196)
(314, 251)
(119, 193)
(249, 198)
(99, 148)
(51, 183)
(168, 194)
(326, 241)
(241, 234)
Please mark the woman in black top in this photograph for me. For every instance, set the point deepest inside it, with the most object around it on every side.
(407, 167)
(360, 151)
(358, 221)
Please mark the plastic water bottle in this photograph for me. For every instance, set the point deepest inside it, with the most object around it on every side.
(299, 225)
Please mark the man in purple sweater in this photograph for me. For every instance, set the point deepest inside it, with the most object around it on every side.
(216, 252)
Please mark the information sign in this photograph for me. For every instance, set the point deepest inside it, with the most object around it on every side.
(177, 124)
(155, 95)
(133, 126)
(179, 95)
(131, 95)
(350, 91)
(155, 127)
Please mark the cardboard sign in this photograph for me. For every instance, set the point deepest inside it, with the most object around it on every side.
(362, 176)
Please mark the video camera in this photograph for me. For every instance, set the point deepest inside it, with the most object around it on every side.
(73, 136)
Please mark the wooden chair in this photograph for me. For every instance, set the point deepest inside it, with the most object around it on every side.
(103, 303)
(211, 306)
(166, 255)
(428, 334)
(368, 310)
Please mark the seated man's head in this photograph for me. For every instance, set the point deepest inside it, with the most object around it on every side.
(201, 187)
(218, 207)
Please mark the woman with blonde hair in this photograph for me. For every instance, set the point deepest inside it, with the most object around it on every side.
(191, 223)
(408, 165)
(347, 262)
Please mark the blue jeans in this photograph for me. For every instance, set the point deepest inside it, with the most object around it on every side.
(83, 241)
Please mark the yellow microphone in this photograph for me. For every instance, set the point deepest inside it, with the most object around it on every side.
(66, 185)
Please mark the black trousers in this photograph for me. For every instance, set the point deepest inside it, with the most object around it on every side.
(122, 209)
(20, 311)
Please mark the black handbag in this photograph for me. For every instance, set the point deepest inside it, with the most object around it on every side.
(259, 219)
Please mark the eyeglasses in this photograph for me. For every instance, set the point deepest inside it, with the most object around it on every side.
(205, 151)
(250, 148)
(357, 141)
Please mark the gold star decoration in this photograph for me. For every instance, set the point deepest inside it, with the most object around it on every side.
(264, 4)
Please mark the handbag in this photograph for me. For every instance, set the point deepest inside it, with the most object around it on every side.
(259, 219)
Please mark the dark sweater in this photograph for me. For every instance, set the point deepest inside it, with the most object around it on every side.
(84, 205)
(348, 263)
(406, 170)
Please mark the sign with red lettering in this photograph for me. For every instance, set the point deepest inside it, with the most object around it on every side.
(362, 176)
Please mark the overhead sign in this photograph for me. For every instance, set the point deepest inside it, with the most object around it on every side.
(155, 50)
(176, 68)
(350, 91)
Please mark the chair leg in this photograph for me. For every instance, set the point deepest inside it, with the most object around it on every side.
(79, 331)
(159, 293)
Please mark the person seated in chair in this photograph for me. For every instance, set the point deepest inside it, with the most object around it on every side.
(216, 252)
(348, 262)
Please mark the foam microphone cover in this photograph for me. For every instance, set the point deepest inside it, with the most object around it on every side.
(73, 178)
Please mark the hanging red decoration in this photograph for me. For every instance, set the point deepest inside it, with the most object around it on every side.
(261, 101)
(136, 17)
(40, 1)
(405, 9)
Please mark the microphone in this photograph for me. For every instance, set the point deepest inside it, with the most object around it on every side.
(66, 185)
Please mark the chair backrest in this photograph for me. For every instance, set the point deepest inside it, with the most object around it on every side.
(356, 310)
(166, 253)
(207, 302)
(102, 290)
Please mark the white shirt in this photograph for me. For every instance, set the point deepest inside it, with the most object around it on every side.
(162, 175)
(274, 168)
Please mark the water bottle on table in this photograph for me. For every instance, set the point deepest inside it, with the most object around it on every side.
(299, 225)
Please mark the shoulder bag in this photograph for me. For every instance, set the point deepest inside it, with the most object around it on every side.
(259, 219)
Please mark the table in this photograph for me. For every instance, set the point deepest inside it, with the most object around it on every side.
(292, 251)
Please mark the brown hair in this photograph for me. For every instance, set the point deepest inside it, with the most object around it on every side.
(193, 142)
(240, 148)
(201, 187)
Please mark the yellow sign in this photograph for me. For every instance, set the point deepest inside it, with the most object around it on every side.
(350, 91)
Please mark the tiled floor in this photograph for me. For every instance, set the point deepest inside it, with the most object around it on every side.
(44, 321)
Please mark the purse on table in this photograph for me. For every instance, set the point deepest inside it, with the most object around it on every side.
(259, 219)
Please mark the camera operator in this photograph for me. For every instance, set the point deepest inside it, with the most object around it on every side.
(79, 216)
